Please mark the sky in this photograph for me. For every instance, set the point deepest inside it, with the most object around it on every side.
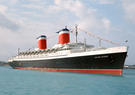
(22, 21)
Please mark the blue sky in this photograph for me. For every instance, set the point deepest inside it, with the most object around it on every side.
(22, 21)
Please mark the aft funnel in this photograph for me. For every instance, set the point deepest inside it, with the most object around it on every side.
(42, 42)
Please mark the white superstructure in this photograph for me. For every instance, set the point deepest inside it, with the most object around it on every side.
(66, 50)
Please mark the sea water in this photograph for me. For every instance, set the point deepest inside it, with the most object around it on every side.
(27, 82)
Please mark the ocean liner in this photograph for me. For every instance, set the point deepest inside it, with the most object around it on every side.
(71, 57)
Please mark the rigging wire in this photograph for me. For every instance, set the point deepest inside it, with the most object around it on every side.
(98, 37)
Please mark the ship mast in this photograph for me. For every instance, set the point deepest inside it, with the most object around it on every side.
(18, 51)
(76, 33)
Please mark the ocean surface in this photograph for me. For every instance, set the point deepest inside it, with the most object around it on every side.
(27, 82)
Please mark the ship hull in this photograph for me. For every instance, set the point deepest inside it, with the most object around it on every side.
(111, 63)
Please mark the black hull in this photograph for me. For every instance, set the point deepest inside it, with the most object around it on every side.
(113, 61)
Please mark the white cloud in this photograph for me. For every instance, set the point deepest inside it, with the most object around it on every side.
(75, 6)
(32, 6)
(87, 17)
(35, 0)
(106, 23)
(129, 9)
(13, 2)
(3, 9)
(105, 1)
(7, 23)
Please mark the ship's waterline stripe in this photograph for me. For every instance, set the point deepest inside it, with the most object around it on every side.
(95, 71)
(89, 53)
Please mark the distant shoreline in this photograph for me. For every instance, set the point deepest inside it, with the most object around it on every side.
(129, 67)
(4, 63)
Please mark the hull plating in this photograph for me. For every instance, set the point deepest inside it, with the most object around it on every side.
(99, 64)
